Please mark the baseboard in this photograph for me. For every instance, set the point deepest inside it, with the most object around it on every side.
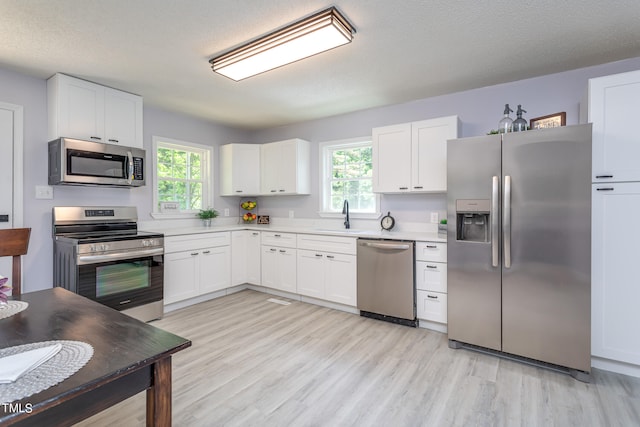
(433, 326)
(615, 366)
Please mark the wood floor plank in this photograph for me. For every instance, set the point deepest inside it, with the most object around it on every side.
(258, 363)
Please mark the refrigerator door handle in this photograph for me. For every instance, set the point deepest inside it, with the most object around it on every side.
(507, 222)
(495, 223)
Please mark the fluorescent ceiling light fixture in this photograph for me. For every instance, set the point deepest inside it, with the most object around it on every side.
(309, 36)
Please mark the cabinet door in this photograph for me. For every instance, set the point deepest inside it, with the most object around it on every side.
(431, 306)
(239, 257)
(429, 153)
(180, 276)
(614, 102)
(340, 278)
(253, 258)
(80, 109)
(270, 269)
(122, 118)
(269, 166)
(311, 276)
(288, 169)
(287, 269)
(240, 170)
(614, 272)
(215, 269)
(391, 156)
(431, 276)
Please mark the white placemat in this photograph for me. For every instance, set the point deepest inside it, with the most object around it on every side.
(12, 307)
(73, 356)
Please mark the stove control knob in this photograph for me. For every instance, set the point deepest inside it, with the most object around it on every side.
(92, 248)
(146, 243)
(104, 247)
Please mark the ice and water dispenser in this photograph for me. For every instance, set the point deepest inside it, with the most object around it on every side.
(472, 220)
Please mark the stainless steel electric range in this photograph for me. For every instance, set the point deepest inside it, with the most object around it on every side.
(100, 254)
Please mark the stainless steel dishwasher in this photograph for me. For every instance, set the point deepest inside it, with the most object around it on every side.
(386, 280)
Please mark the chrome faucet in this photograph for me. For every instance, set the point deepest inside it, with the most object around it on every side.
(345, 211)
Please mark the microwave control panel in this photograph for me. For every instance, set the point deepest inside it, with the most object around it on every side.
(138, 165)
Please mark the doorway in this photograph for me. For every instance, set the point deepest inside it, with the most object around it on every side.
(11, 173)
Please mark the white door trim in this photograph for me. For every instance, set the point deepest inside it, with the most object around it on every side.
(18, 168)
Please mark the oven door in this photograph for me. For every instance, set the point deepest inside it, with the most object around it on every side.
(122, 282)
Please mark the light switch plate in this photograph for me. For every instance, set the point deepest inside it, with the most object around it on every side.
(44, 192)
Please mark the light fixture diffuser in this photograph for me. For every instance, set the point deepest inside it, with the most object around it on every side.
(309, 36)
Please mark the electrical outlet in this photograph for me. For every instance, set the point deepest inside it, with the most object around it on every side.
(44, 192)
(226, 211)
(290, 214)
(434, 217)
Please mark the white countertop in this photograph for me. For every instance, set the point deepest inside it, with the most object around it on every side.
(376, 234)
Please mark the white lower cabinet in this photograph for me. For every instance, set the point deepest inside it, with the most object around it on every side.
(615, 292)
(431, 281)
(327, 276)
(279, 268)
(327, 268)
(196, 265)
(245, 257)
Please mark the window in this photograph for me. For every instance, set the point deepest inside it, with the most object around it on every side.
(346, 174)
(182, 174)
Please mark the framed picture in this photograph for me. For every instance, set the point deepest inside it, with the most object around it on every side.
(263, 219)
(550, 121)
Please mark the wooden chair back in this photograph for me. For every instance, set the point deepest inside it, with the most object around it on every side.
(14, 242)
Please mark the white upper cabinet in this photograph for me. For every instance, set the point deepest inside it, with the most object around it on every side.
(412, 157)
(84, 110)
(614, 102)
(285, 167)
(392, 159)
(240, 170)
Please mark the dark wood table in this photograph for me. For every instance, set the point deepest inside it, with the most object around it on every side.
(129, 356)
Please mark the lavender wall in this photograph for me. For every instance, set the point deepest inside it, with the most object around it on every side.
(31, 93)
(478, 109)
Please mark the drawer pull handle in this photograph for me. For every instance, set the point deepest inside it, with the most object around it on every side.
(605, 189)
(96, 138)
(432, 296)
(431, 266)
(273, 191)
(272, 250)
(418, 187)
(404, 188)
(432, 247)
(604, 176)
(238, 191)
(194, 253)
(318, 254)
(282, 251)
(206, 252)
(114, 140)
(330, 256)
(254, 234)
(277, 235)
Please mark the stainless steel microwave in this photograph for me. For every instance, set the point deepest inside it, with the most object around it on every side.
(77, 162)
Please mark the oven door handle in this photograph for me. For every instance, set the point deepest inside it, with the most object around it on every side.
(95, 259)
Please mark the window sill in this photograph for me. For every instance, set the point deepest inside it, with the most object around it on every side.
(354, 215)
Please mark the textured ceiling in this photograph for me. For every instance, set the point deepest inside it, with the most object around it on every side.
(403, 50)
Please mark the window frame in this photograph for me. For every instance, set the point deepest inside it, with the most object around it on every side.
(324, 155)
(206, 153)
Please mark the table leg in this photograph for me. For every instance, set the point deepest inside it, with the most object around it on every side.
(159, 395)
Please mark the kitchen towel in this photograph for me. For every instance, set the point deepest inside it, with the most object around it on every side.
(14, 366)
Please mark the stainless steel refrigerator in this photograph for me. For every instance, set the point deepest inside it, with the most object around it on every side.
(519, 245)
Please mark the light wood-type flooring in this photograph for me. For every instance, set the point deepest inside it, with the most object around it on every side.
(258, 363)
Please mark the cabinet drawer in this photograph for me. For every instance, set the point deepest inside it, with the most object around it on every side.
(431, 251)
(318, 242)
(189, 242)
(431, 306)
(431, 276)
(285, 240)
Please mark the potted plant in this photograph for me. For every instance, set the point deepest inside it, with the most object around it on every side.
(206, 215)
(442, 227)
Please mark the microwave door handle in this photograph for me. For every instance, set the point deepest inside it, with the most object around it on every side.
(130, 169)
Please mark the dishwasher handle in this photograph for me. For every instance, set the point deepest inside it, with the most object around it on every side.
(388, 246)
